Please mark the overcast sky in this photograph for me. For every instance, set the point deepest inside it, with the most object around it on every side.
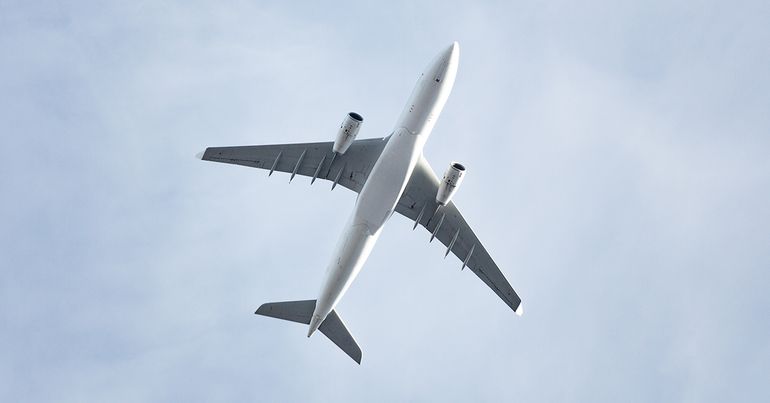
(618, 172)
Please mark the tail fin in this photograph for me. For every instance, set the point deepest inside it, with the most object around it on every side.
(301, 312)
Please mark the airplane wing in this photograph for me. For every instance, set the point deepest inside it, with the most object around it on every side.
(418, 203)
(315, 160)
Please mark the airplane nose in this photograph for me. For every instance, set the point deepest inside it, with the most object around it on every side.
(453, 50)
(451, 55)
(444, 66)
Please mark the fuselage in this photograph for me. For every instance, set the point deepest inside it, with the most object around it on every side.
(387, 180)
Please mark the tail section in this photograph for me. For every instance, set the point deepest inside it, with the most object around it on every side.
(295, 311)
(302, 312)
(333, 328)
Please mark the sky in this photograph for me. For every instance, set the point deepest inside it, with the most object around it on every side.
(618, 173)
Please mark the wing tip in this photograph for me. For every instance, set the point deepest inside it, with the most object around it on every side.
(520, 309)
(200, 155)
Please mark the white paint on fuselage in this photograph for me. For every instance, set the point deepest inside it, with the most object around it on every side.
(387, 181)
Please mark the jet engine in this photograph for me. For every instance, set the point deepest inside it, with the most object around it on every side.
(453, 177)
(347, 133)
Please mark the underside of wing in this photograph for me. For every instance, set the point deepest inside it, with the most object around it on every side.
(446, 224)
(314, 160)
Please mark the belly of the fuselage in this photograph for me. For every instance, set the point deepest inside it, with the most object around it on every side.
(387, 181)
(375, 203)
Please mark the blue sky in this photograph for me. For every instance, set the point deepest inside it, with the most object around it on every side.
(618, 172)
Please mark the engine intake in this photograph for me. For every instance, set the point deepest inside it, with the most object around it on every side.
(348, 132)
(453, 177)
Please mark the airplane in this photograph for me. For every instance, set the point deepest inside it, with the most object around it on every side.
(390, 174)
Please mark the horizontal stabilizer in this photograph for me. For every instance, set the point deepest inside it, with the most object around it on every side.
(333, 328)
(301, 312)
(295, 311)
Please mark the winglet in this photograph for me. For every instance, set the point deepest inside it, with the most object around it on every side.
(520, 310)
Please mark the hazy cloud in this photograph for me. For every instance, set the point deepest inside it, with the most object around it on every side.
(618, 172)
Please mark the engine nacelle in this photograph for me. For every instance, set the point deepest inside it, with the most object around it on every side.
(348, 131)
(453, 177)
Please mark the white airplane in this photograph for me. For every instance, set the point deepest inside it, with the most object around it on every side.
(389, 174)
